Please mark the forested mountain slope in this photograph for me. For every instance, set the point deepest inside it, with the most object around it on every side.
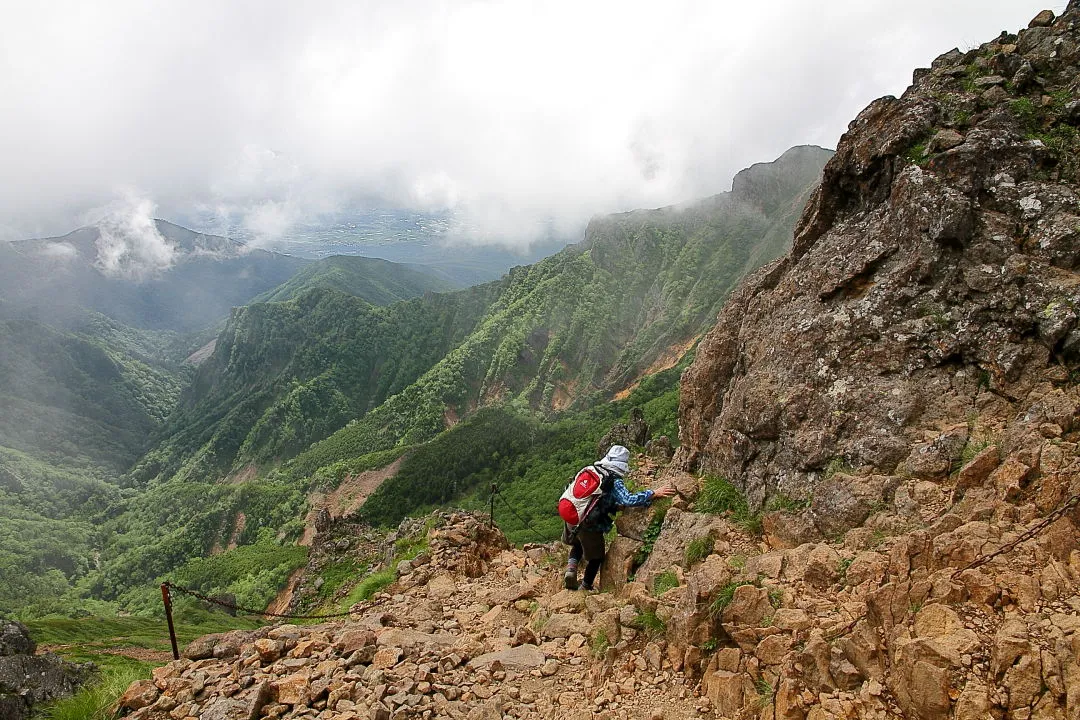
(380, 282)
(583, 324)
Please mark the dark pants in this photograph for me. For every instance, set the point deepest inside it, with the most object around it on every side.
(588, 544)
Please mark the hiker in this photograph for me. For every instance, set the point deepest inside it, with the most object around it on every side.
(586, 538)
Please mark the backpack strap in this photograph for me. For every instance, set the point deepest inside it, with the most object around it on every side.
(607, 482)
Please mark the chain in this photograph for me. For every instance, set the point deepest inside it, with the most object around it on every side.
(523, 521)
(250, 611)
(983, 559)
(1023, 537)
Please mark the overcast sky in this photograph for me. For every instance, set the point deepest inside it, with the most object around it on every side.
(506, 112)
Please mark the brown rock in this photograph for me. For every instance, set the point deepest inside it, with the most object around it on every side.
(269, 650)
(974, 702)
(1043, 19)
(791, 619)
(866, 566)
(202, 647)
(349, 641)
(524, 657)
(788, 530)
(387, 657)
(139, 694)
(861, 649)
(924, 691)
(945, 140)
(749, 606)
(975, 472)
(291, 689)
(563, 625)
(771, 650)
(565, 601)
(1008, 479)
(245, 706)
(728, 659)
(822, 566)
(726, 691)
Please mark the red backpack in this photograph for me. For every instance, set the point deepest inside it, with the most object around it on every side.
(581, 496)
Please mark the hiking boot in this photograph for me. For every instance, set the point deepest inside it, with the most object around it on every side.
(587, 587)
(570, 581)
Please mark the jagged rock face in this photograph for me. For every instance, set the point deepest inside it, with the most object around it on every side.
(932, 280)
(27, 679)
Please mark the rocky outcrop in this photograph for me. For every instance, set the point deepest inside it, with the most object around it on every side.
(899, 396)
(27, 679)
(932, 283)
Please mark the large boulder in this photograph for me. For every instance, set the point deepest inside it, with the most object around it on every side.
(27, 680)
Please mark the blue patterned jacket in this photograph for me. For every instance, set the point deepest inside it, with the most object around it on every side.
(602, 517)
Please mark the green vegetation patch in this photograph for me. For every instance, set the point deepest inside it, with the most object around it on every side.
(725, 595)
(370, 585)
(698, 549)
(650, 623)
(652, 532)
(665, 581)
(719, 497)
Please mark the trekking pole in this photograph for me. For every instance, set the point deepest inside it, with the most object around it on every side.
(491, 516)
(168, 617)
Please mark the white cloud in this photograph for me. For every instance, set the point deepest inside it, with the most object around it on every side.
(61, 251)
(129, 244)
(512, 113)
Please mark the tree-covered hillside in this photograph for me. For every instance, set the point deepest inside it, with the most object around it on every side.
(77, 403)
(83, 396)
(286, 374)
(578, 327)
(380, 282)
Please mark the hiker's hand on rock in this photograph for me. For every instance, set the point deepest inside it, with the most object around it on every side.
(664, 492)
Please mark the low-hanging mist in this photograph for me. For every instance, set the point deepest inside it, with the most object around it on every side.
(522, 118)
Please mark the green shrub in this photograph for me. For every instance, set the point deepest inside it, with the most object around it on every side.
(766, 692)
(599, 644)
(652, 532)
(724, 596)
(664, 582)
(785, 503)
(649, 623)
(93, 700)
(699, 549)
(718, 496)
(370, 585)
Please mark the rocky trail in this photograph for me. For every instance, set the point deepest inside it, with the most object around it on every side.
(472, 629)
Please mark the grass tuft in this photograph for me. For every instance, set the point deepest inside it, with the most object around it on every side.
(94, 700)
(664, 582)
(718, 496)
(650, 623)
(725, 596)
(699, 549)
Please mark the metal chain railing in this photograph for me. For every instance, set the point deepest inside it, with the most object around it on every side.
(978, 562)
(166, 597)
(1023, 537)
(252, 611)
(539, 535)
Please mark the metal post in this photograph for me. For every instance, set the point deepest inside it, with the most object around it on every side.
(491, 517)
(168, 617)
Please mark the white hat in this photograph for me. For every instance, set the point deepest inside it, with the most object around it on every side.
(617, 460)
